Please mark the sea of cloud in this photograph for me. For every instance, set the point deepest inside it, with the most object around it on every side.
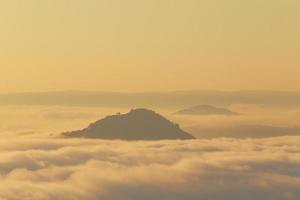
(35, 164)
(217, 169)
(34, 121)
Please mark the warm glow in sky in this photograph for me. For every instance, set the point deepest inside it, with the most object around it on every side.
(142, 45)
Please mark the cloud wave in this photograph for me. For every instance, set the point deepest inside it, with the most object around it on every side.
(218, 169)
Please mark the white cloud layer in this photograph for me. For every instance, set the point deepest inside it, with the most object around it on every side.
(219, 169)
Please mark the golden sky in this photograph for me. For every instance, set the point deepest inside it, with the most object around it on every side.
(149, 45)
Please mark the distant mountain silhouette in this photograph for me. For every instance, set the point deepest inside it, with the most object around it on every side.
(205, 110)
(138, 124)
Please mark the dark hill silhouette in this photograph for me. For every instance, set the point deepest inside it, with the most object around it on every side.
(138, 124)
(205, 110)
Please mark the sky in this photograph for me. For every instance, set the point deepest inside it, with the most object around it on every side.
(157, 45)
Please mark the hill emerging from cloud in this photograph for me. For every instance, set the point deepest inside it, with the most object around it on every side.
(138, 124)
(205, 110)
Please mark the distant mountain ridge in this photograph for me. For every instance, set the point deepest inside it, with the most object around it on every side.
(205, 110)
(138, 124)
(174, 100)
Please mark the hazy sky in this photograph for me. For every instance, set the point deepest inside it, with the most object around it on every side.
(142, 45)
